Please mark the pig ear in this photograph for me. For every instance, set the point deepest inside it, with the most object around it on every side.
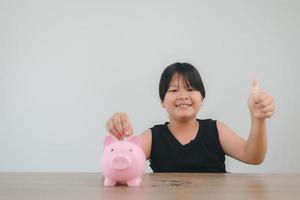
(135, 140)
(109, 139)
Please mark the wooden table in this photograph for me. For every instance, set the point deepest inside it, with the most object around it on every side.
(157, 186)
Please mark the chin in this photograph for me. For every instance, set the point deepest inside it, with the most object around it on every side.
(185, 118)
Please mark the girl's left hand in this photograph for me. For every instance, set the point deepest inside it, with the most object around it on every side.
(261, 104)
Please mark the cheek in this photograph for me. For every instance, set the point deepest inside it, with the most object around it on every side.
(197, 100)
(168, 100)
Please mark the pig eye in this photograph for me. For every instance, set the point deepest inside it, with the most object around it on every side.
(111, 149)
(130, 150)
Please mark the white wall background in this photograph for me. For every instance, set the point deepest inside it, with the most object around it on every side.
(66, 66)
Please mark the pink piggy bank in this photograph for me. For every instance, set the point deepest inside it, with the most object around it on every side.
(123, 161)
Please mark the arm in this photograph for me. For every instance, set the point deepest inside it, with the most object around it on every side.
(146, 142)
(253, 150)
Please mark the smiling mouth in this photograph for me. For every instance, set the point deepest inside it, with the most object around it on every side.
(183, 105)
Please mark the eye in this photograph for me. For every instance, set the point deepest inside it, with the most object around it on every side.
(130, 150)
(191, 89)
(111, 149)
(173, 90)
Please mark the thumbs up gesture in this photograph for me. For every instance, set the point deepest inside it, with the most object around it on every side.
(261, 104)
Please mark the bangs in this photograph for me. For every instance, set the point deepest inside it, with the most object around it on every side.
(191, 77)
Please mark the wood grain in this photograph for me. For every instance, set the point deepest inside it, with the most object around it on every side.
(154, 186)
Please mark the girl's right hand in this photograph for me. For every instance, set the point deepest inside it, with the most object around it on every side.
(119, 125)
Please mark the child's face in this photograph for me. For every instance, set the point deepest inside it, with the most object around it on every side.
(182, 102)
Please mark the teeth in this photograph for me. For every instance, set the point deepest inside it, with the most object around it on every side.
(183, 105)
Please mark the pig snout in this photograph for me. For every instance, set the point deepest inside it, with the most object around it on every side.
(120, 162)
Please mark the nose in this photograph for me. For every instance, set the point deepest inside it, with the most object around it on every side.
(182, 95)
(183, 98)
(120, 162)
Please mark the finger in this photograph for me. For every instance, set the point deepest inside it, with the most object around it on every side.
(261, 97)
(118, 135)
(129, 130)
(109, 126)
(257, 98)
(269, 114)
(265, 102)
(126, 125)
(112, 130)
(255, 86)
(124, 122)
(255, 91)
(266, 115)
(117, 123)
(269, 108)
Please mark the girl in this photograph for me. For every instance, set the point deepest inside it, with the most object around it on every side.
(188, 144)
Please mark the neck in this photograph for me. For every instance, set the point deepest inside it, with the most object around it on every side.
(183, 126)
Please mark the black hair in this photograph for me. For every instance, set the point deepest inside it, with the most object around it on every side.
(189, 73)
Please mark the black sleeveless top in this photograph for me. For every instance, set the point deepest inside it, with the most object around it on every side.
(203, 154)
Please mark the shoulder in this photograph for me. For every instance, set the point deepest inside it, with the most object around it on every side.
(222, 127)
(146, 133)
(146, 138)
(223, 130)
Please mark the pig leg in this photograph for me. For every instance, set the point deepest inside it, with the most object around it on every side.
(134, 182)
(109, 182)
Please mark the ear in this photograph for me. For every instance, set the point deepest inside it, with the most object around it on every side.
(109, 139)
(135, 140)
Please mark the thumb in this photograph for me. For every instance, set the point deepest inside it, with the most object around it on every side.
(255, 86)
(128, 130)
